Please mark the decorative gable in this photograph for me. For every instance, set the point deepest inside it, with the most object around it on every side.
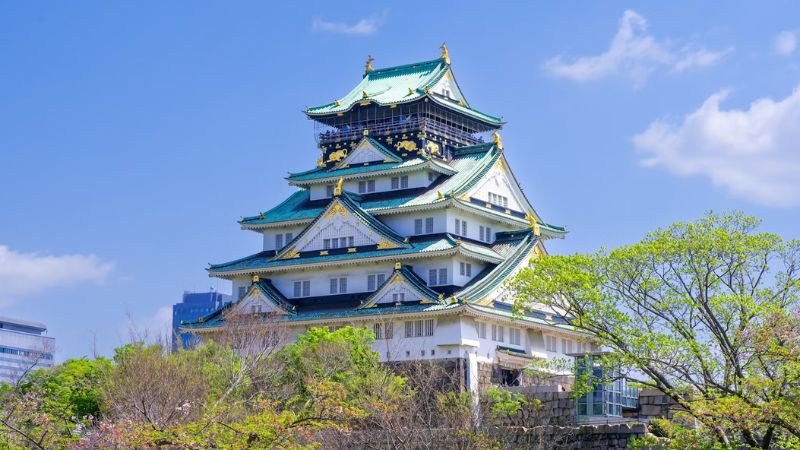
(498, 187)
(262, 298)
(402, 287)
(368, 151)
(342, 225)
(447, 87)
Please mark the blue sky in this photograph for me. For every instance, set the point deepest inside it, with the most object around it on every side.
(134, 135)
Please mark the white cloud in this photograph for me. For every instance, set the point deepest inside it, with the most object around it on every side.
(26, 274)
(753, 153)
(363, 27)
(633, 53)
(785, 43)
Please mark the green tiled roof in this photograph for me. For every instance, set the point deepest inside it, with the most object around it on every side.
(321, 174)
(268, 290)
(468, 163)
(400, 84)
(267, 259)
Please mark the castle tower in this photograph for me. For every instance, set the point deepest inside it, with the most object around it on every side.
(409, 224)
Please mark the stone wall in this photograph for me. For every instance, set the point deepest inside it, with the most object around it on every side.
(653, 404)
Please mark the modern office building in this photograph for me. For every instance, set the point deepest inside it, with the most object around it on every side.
(193, 305)
(23, 348)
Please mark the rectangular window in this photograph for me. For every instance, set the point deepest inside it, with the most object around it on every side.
(278, 241)
(298, 289)
(480, 233)
(566, 346)
(462, 269)
(488, 235)
(404, 182)
(375, 280)
(494, 332)
(399, 297)
(417, 226)
(395, 183)
(370, 185)
(334, 286)
(465, 269)
(362, 187)
(514, 336)
(429, 225)
(550, 343)
(306, 288)
(378, 330)
(242, 291)
(326, 244)
(501, 334)
(433, 278)
(329, 190)
(419, 328)
(342, 285)
(482, 330)
(383, 331)
(350, 241)
(469, 269)
(289, 237)
(458, 226)
(464, 228)
(442, 276)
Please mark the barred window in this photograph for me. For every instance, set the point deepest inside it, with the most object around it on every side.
(429, 225)
(374, 280)
(417, 226)
(514, 336)
(419, 328)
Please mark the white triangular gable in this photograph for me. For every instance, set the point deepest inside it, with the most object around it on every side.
(255, 302)
(447, 87)
(498, 186)
(395, 292)
(365, 152)
(340, 224)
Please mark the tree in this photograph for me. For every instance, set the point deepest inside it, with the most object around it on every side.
(706, 312)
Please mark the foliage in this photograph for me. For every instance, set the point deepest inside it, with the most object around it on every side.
(706, 312)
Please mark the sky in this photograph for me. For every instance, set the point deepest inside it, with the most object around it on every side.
(134, 135)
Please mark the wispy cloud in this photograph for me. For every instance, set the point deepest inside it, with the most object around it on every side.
(633, 53)
(27, 274)
(363, 27)
(752, 153)
(785, 43)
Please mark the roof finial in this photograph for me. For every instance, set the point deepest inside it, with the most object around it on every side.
(368, 65)
(337, 190)
(498, 141)
(534, 225)
(445, 54)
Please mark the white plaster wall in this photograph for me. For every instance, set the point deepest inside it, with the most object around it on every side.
(474, 221)
(268, 235)
(416, 179)
(403, 224)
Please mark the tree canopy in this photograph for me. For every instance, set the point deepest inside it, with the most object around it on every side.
(705, 311)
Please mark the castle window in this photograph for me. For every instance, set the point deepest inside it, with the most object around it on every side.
(482, 330)
(485, 234)
(550, 343)
(399, 297)
(400, 182)
(278, 241)
(383, 331)
(498, 333)
(374, 280)
(419, 328)
(429, 224)
(242, 291)
(566, 346)
(437, 277)
(514, 336)
(338, 285)
(417, 226)
(466, 269)
(461, 227)
(366, 186)
(431, 176)
(499, 200)
(329, 190)
(302, 288)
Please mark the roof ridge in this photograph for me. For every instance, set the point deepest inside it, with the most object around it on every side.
(434, 62)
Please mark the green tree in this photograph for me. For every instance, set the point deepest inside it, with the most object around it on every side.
(706, 312)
